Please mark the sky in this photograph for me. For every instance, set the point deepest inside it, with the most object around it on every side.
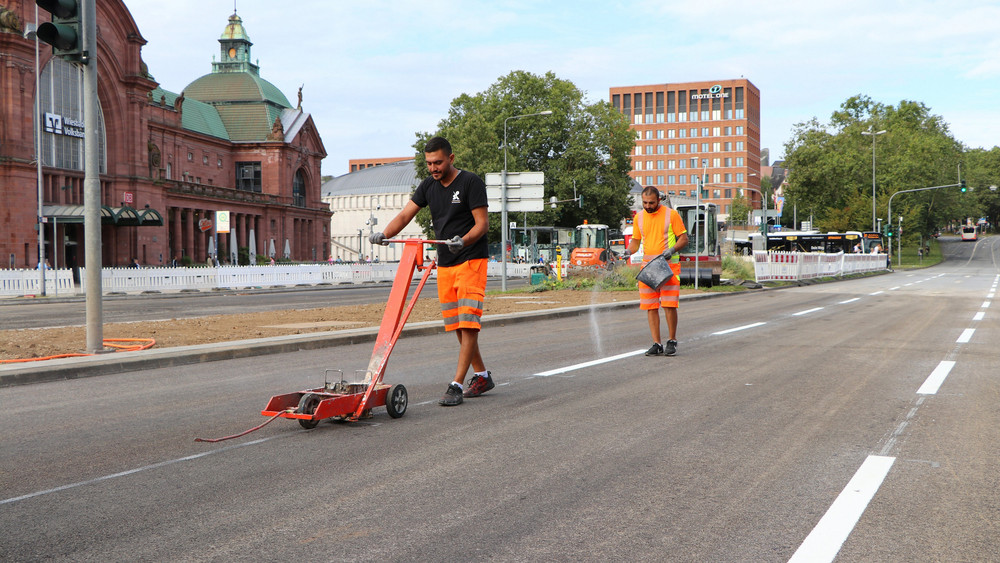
(375, 73)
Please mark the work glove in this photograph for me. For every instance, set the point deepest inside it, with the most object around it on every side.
(378, 238)
(668, 253)
(455, 243)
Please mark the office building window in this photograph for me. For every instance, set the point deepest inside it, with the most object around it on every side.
(659, 134)
(682, 133)
(704, 131)
(716, 147)
(739, 145)
(659, 149)
(739, 129)
(671, 180)
(704, 147)
(729, 131)
(728, 162)
(683, 148)
(299, 189)
(671, 149)
(694, 132)
(739, 176)
(739, 161)
(716, 162)
(659, 180)
(671, 164)
(716, 178)
(659, 164)
(729, 193)
(728, 178)
(649, 180)
(716, 131)
(672, 134)
(682, 163)
(683, 179)
(728, 146)
(716, 193)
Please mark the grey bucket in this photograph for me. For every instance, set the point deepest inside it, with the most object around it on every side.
(655, 272)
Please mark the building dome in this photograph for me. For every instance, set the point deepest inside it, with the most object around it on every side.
(247, 104)
(235, 87)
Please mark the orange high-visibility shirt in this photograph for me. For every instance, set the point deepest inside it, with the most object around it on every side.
(655, 233)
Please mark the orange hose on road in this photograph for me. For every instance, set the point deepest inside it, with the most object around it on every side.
(118, 344)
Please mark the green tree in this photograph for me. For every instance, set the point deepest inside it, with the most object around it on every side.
(739, 210)
(831, 167)
(583, 144)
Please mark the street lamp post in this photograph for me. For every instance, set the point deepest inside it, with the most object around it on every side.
(503, 199)
(372, 221)
(32, 33)
(871, 131)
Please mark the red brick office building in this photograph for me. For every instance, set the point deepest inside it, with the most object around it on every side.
(691, 128)
(230, 141)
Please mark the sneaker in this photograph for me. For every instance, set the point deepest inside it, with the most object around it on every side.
(671, 348)
(452, 397)
(479, 385)
(655, 350)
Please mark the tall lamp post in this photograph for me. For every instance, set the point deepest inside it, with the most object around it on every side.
(871, 131)
(32, 34)
(372, 221)
(503, 199)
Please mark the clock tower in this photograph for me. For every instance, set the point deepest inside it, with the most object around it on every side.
(235, 49)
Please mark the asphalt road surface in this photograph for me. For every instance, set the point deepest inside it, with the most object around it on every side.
(854, 420)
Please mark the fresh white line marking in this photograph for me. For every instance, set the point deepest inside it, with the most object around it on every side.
(739, 328)
(807, 311)
(893, 288)
(986, 304)
(936, 378)
(966, 336)
(597, 362)
(825, 540)
(136, 470)
(979, 316)
(850, 301)
(990, 295)
(876, 293)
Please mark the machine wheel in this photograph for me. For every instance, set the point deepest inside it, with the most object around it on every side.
(307, 405)
(396, 400)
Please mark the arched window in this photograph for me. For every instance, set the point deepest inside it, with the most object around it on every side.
(62, 117)
(299, 189)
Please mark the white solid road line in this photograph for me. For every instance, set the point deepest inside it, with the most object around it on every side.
(936, 378)
(807, 311)
(596, 362)
(739, 328)
(825, 540)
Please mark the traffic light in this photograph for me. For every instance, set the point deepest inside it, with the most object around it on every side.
(962, 182)
(64, 31)
(888, 231)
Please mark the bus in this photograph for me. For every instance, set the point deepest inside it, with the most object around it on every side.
(828, 243)
(969, 232)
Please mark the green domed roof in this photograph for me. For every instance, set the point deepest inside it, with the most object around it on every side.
(247, 104)
(235, 87)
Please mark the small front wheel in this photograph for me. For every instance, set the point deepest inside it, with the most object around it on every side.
(307, 405)
(396, 400)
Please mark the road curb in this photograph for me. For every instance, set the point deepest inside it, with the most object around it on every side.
(120, 362)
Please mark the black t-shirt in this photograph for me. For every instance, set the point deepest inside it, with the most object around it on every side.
(451, 213)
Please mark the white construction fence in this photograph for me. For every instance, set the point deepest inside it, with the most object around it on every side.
(794, 266)
(138, 280)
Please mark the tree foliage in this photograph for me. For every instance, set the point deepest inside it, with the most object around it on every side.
(585, 144)
(831, 167)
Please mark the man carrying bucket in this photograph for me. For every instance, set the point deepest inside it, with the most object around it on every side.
(660, 230)
(457, 201)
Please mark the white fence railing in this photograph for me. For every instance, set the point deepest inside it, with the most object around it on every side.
(28, 282)
(138, 280)
(794, 266)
